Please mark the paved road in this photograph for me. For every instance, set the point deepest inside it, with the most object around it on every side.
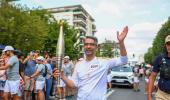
(122, 93)
(125, 93)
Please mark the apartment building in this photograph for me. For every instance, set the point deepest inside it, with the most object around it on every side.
(79, 18)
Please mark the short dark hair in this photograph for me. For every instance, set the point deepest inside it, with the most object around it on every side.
(93, 38)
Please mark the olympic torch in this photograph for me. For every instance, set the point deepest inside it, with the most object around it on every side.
(60, 50)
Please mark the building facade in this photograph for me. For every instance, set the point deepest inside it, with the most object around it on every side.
(79, 18)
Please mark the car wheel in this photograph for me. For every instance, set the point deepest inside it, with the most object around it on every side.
(131, 86)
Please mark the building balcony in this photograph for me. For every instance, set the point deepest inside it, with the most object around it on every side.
(80, 13)
(93, 26)
(80, 21)
(82, 37)
(79, 18)
(94, 30)
(81, 28)
(81, 44)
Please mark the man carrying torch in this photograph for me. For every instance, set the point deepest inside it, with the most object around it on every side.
(90, 74)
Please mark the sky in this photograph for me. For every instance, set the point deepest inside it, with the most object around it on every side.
(143, 17)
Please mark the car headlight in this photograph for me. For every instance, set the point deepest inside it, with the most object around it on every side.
(130, 76)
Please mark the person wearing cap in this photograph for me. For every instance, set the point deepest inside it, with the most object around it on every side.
(67, 69)
(13, 77)
(39, 78)
(90, 74)
(161, 65)
(68, 66)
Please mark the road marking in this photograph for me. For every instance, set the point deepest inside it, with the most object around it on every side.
(109, 93)
(152, 93)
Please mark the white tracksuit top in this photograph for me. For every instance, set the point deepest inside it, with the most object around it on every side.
(91, 77)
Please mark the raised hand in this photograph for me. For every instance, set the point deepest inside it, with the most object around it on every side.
(122, 35)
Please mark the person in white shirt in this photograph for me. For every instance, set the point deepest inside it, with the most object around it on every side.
(136, 82)
(90, 74)
(2, 76)
(68, 70)
(12, 72)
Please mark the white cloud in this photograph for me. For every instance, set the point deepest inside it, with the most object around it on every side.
(91, 10)
(137, 46)
(164, 7)
(108, 7)
(141, 13)
(139, 38)
(144, 29)
(106, 33)
(120, 12)
(118, 9)
(140, 2)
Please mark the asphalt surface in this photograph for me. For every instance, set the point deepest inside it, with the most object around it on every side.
(126, 93)
(121, 93)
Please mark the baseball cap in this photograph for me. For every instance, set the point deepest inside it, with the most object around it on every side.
(66, 57)
(7, 48)
(41, 58)
(167, 39)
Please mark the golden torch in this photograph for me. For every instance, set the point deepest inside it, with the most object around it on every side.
(60, 49)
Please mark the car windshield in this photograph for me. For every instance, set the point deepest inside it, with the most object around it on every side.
(122, 69)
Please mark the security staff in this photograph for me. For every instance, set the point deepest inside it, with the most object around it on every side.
(161, 65)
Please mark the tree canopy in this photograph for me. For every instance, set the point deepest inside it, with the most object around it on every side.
(34, 29)
(158, 43)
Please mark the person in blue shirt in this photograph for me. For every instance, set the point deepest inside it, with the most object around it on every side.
(161, 65)
(29, 69)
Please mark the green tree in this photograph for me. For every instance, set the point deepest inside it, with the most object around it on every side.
(149, 56)
(69, 37)
(158, 43)
(20, 29)
(53, 32)
(34, 29)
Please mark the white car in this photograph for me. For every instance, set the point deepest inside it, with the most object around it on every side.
(122, 75)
